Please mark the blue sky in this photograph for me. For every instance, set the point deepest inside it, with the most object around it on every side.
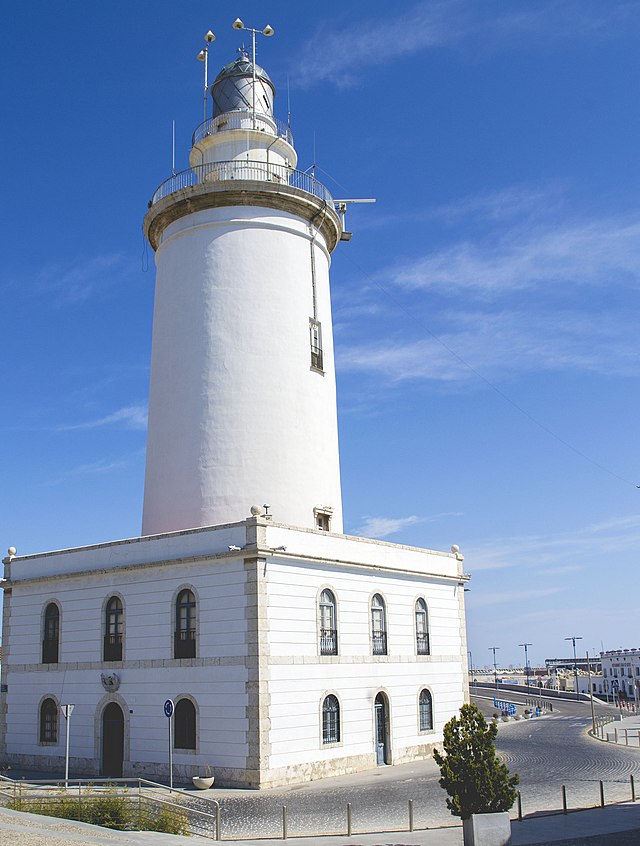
(485, 310)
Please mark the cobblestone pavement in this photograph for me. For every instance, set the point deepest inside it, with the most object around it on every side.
(547, 752)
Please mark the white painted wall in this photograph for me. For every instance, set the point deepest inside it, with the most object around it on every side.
(237, 416)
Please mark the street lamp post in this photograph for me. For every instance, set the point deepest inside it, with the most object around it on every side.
(593, 712)
(494, 649)
(573, 639)
(526, 659)
(268, 31)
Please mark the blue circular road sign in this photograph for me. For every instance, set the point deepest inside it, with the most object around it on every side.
(168, 708)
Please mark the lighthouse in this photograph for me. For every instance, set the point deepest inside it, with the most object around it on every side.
(287, 650)
(242, 404)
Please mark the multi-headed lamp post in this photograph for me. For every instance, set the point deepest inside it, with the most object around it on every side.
(526, 659)
(203, 56)
(573, 639)
(268, 31)
(494, 649)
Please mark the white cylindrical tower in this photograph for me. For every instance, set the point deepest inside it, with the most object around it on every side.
(242, 404)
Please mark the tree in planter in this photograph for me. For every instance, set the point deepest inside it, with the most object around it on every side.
(471, 772)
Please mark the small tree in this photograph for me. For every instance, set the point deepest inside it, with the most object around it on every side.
(471, 772)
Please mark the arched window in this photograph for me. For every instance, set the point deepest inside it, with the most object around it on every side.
(113, 626)
(422, 628)
(328, 628)
(48, 722)
(426, 710)
(51, 634)
(331, 719)
(378, 626)
(185, 633)
(185, 724)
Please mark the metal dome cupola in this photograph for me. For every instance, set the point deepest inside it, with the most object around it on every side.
(233, 88)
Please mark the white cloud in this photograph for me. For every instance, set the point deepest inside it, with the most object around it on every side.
(78, 280)
(342, 56)
(381, 527)
(592, 253)
(131, 416)
(559, 553)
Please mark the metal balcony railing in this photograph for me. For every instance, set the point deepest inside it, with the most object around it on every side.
(112, 647)
(379, 643)
(422, 643)
(50, 651)
(328, 642)
(216, 172)
(184, 644)
(242, 120)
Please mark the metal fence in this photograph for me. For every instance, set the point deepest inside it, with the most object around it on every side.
(241, 119)
(253, 171)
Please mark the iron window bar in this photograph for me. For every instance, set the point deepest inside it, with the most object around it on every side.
(379, 642)
(328, 641)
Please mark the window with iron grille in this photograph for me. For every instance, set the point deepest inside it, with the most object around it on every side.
(48, 722)
(315, 331)
(185, 724)
(114, 623)
(185, 633)
(330, 719)
(328, 626)
(51, 639)
(422, 628)
(426, 710)
(378, 626)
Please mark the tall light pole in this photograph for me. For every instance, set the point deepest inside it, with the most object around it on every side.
(593, 712)
(268, 31)
(203, 56)
(573, 639)
(494, 649)
(526, 659)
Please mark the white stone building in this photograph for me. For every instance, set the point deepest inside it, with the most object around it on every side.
(290, 650)
(621, 675)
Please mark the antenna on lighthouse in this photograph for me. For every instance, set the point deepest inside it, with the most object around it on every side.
(341, 208)
(268, 31)
(203, 56)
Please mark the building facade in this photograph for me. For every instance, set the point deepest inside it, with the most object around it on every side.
(290, 650)
(621, 675)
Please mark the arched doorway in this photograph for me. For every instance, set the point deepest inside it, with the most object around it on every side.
(382, 734)
(112, 740)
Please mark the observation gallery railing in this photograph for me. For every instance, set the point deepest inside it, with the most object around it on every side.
(217, 172)
(241, 119)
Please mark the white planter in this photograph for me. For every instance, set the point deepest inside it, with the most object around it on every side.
(202, 782)
(487, 830)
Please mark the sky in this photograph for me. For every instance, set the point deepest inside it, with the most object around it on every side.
(485, 311)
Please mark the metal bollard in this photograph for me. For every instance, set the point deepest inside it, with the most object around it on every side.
(218, 823)
(284, 822)
(348, 819)
(564, 799)
(633, 788)
(601, 795)
(411, 813)
(615, 735)
(626, 737)
(519, 805)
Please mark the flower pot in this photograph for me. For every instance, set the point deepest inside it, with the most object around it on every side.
(487, 830)
(202, 782)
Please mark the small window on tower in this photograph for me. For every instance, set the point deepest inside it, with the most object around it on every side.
(315, 330)
(323, 518)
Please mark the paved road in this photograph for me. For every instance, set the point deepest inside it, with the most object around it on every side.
(547, 752)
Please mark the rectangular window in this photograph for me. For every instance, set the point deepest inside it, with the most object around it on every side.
(315, 331)
(323, 518)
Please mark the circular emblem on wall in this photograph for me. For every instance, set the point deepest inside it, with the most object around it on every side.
(110, 681)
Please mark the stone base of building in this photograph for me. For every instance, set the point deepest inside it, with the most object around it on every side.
(224, 776)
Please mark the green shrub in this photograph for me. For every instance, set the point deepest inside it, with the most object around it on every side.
(471, 772)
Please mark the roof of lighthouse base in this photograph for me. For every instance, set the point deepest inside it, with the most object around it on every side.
(240, 192)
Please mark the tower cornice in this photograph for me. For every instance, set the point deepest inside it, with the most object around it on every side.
(316, 210)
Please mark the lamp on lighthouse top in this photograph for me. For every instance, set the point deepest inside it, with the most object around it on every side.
(268, 30)
(203, 56)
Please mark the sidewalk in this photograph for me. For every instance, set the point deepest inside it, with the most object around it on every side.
(624, 732)
(615, 825)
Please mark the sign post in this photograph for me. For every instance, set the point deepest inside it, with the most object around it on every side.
(67, 710)
(168, 712)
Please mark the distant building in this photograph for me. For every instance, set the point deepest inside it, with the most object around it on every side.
(621, 674)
